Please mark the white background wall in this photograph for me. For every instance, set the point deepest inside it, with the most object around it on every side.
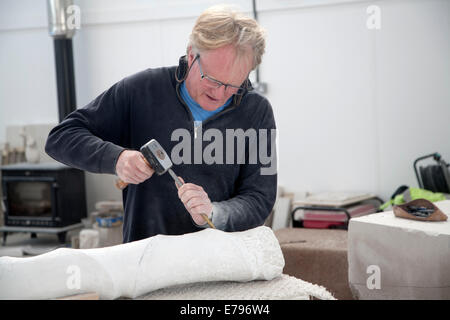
(354, 106)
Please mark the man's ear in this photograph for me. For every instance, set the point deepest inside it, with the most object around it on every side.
(190, 56)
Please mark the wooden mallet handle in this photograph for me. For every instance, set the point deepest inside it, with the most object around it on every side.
(120, 184)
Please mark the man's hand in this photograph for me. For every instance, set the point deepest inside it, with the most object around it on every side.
(131, 167)
(196, 201)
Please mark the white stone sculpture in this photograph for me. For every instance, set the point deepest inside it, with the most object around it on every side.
(31, 150)
(136, 268)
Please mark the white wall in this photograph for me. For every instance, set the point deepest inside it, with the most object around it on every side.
(354, 107)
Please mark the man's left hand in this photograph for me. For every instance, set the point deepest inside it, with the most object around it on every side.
(196, 201)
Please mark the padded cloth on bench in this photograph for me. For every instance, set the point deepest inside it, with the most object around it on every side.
(281, 288)
(318, 256)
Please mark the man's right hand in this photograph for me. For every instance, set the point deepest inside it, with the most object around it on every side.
(132, 168)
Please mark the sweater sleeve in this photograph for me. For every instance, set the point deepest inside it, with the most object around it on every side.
(256, 187)
(91, 138)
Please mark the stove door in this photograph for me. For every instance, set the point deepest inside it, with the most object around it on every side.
(29, 201)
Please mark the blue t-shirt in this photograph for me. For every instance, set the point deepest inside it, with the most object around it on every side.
(197, 111)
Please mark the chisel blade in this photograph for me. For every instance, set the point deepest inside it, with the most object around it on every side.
(175, 177)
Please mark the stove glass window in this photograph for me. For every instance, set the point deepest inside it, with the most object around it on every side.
(29, 199)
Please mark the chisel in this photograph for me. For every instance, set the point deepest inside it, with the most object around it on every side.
(157, 158)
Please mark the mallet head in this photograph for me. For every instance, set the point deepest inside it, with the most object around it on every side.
(156, 156)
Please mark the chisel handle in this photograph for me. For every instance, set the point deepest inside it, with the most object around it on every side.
(208, 221)
(179, 184)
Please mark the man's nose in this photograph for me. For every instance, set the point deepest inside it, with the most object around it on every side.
(220, 92)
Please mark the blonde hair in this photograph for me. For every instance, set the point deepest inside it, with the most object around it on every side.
(222, 25)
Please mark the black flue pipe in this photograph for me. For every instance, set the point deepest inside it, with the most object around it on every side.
(62, 33)
(65, 77)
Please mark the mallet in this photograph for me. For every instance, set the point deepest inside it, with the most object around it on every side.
(157, 159)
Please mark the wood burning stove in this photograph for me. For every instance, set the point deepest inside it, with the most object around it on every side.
(48, 197)
(43, 195)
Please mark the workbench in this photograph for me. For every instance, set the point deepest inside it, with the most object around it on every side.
(397, 258)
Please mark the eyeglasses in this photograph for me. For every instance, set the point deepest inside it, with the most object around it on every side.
(213, 83)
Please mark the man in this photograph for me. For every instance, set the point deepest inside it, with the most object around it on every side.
(208, 90)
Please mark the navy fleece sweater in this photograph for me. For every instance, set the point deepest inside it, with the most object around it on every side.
(146, 106)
